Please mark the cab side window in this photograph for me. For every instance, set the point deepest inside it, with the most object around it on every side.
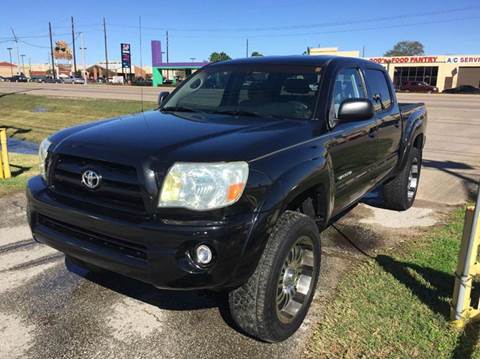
(348, 84)
(379, 89)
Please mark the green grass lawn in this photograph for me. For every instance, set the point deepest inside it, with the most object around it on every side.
(22, 167)
(398, 305)
(35, 117)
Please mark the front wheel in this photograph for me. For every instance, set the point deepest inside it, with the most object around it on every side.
(272, 304)
(399, 194)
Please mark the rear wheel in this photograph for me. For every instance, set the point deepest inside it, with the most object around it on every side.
(272, 304)
(399, 194)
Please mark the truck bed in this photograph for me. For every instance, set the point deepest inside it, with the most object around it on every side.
(408, 108)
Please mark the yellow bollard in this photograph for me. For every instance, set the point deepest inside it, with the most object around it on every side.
(5, 166)
(468, 268)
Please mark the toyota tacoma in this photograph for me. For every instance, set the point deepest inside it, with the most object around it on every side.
(228, 184)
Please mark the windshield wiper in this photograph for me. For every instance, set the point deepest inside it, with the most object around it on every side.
(240, 113)
(177, 109)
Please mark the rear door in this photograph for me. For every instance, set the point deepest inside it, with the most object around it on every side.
(353, 149)
(389, 132)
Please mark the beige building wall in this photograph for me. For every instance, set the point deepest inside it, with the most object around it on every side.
(331, 51)
(6, 71)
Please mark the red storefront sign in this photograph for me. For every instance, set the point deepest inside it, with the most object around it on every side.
(405, 59)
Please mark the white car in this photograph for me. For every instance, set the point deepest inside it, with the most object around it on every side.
(73, 80)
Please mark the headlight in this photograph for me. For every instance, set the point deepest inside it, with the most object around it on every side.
(203, 186)
(42, 154)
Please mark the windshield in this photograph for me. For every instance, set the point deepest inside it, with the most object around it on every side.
(249, 90)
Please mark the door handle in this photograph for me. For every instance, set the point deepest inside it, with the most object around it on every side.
(373, 131)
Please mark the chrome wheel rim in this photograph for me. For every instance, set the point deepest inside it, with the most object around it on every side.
(295, 280)
(413, 178)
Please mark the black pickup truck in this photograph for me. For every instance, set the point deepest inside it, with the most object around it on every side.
(227, 185)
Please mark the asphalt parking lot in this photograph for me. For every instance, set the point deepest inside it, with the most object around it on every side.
(49, 312)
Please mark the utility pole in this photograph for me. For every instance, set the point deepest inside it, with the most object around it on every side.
(106, 51)
(247, 49)
(51, 50)
(167, 48)
(16, 47)
(363, 51)
(23, 63)
(11, 67)
(73, 45)
(83, 48)
(168, 71)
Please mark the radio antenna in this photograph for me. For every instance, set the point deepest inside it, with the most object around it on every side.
(141, 57)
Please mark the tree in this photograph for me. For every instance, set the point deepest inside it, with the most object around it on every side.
(256, 53)
(406, 48)
(219, 56)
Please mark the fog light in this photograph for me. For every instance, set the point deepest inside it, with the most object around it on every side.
(203, 254)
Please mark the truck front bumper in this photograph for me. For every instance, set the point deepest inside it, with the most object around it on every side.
(154, 251)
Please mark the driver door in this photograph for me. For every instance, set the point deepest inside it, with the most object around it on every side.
(353, 147)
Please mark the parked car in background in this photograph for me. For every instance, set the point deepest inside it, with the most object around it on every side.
(140, 81)
(19, 78)
(228, 184)
(38, 79)
(52, 80)
(73, 80)
(418, 86)
(466, 89)
(3, 79)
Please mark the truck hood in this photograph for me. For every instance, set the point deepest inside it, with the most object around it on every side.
(168, 137)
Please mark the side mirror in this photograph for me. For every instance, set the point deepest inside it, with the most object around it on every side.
(162, 96)
(355, 109)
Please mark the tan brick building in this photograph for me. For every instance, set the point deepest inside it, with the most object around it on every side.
(6, 69)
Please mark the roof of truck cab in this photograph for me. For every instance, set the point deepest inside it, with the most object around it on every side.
(306, 60)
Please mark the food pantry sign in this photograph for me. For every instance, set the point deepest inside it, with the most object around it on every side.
(406, 59)
(426, 59)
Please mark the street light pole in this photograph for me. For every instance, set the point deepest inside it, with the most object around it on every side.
(11, 67)
(23, 63)
(83, 48)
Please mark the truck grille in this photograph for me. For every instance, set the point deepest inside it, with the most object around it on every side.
(119, 188)
(119, 245)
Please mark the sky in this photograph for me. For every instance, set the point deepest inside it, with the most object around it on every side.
(272, 27)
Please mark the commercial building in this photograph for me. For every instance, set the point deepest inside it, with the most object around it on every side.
(172, 71)
(7, 69)
(331, 51)
(99, 70)
(442, 71)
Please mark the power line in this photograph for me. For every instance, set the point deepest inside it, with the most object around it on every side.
(305, 26)
(338, 31)
(34, 45)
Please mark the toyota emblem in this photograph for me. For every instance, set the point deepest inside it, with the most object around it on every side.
(91, 179)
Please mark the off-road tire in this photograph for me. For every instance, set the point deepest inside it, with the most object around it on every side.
(395, 192)
(253, 306)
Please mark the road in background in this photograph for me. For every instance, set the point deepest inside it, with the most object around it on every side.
(49, 312)
(90, 91)
(451, 166)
